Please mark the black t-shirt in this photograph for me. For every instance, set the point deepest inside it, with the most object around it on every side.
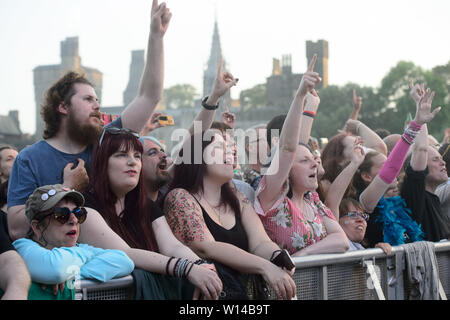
(425, 206)
(5, 240)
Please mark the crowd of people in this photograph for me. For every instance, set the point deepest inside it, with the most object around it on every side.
(95, 201)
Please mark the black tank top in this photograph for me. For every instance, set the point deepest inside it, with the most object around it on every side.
(235, 236)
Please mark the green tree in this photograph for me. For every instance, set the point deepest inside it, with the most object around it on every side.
(253, 97)
(180, 96)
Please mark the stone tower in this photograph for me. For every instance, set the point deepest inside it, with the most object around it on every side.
(45, 76)
(136, 69)
(321, 48)
(209, 75)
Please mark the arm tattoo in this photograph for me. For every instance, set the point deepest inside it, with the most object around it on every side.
(183, 217)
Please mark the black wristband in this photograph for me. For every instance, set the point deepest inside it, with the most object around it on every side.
(167, 265)
(208, 107)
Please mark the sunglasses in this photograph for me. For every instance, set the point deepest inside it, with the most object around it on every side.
(115, 130)
(62, 214)
(356, 214)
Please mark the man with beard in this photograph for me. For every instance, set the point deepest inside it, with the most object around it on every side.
(71, 113)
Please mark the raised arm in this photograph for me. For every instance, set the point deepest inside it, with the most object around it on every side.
(290, 134)
(312, 102)
(357, 104)
(339, 186)
(370, 138)
(137, 113)
(223, 82)
(391, 168)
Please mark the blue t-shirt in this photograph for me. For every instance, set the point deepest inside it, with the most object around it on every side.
(40, 165)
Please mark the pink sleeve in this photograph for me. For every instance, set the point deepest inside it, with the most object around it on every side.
(394, 162)
(261, 186)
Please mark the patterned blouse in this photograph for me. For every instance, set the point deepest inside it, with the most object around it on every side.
(285, 223)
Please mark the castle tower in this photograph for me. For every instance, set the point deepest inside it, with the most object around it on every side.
(136, 69)
(321, 49)
(45, 76)
(209, 75)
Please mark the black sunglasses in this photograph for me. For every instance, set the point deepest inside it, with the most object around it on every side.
(115, 130)
(62, 214)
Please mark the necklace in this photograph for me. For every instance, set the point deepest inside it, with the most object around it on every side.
(214, 209)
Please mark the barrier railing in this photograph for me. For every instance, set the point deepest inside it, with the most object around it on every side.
(357, 275)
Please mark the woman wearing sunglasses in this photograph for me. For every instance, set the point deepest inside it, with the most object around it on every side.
(51, 251)
(353, 221)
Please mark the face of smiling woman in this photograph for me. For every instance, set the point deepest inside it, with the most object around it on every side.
(355, 227)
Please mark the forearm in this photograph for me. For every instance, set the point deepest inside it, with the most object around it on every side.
(108, 265)
(354, 115)
(305, 129)
(233, 257)
(337, 189)
(141, 108)
(18, 224)
(148, 260)
(290, 134)
(180, 251)
(332, 243)
(371, 139)
(14, 277)
(419, 156)
(265, 249)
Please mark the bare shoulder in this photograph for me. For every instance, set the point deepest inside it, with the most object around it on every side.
(180, 200)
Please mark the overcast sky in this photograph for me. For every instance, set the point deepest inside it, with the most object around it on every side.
(366, 39)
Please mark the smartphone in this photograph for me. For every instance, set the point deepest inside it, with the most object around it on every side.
(166, 120)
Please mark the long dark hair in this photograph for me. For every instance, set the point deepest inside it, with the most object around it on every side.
(189, 176)
(134, 225)
(333, 156)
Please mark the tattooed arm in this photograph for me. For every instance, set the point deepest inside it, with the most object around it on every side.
(185, 218)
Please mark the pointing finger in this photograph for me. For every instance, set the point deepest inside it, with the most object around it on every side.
(313, 62)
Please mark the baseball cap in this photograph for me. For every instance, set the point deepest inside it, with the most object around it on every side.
(46, 197)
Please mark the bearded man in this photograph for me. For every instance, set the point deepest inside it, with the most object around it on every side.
(71, 112)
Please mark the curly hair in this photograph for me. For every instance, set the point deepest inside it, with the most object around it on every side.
(61, 91)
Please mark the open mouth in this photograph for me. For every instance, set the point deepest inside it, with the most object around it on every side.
(162, 166)
(72, 233)
(312, 176)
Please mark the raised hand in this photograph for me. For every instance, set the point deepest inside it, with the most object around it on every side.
(160, 19)
(357, 101)
(358, 154)
(423, 110)
(228, 118)
(417, 90)
(224, 81)
(312, 101)
(152, 124)
(310, 79)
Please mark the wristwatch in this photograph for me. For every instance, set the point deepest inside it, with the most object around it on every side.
(208, 107)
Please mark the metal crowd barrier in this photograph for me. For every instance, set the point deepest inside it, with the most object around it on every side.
(357, 275)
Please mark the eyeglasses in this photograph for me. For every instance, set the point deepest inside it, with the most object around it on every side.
(356, 214)
(115, 130)
(62, 214)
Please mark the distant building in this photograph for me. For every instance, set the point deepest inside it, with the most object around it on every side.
(46, 76)
(210, 73)
(136, 68)
(10, 132)
(321, 49)
(282, 84)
